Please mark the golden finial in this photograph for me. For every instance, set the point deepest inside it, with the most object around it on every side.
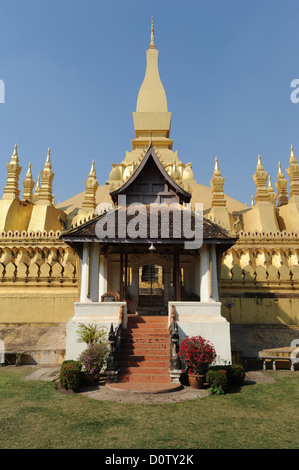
(279, 168)
(152, 43)
(29, 173)
(293, 158)
(92, 169)
(259, 163)
(216, 168)
(269, 182)
(48, 161)
(14, 157)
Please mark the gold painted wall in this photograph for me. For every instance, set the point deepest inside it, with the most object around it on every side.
(38, 279)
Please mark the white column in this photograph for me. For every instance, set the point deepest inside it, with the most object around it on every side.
(84, 274)
(215, 293)
(204, 264)
(196, 275)
(94, 272)
(103, 276)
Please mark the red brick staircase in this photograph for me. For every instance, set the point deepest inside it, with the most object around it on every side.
(144, 356)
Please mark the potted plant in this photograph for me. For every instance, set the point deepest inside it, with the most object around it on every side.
(92, 360)
(198, 354)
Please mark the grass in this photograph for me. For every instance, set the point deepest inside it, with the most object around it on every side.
(34, 415)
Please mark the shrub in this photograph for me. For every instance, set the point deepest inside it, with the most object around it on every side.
(70, 375)
(90, 334)
(93, 358)
(197, 353)
(236, 375)
(217, 380)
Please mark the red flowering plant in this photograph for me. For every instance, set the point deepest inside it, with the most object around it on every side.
(197, 354)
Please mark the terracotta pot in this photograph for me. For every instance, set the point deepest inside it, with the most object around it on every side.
(196, 381)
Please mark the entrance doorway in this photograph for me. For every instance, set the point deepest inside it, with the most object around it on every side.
(151, 286)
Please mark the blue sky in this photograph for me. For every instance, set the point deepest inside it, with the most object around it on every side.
(72, 71)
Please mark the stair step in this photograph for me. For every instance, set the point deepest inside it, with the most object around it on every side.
(144, 370)
(147, 319)
(146, 332)
(142, 358)
(155, 327)
(144, 342)
(145, 378)
(142, 348)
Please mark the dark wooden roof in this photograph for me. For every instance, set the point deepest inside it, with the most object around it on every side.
(149, 167)
(86, 232)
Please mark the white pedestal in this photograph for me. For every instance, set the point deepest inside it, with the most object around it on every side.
(204, 319)
(101, 314)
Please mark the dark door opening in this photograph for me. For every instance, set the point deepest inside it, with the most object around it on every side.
(151, 286)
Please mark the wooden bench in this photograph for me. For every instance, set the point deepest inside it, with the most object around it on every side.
(283, 354)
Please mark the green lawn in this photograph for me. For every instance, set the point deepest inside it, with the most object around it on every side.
(34, 415)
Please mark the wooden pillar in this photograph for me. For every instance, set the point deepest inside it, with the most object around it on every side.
(177, 276)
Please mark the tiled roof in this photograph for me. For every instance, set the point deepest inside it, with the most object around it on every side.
(115, 217)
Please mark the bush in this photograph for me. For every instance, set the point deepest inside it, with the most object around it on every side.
(235, 374)
(70, 372)
(217, 380)
(93, 358)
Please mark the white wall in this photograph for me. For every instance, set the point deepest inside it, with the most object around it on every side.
(204, 319)
(101, 314)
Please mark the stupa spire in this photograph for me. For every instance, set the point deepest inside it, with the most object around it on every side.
(45, 194)
(11, 190)
(271, 192)
(260, 178)
(91, 186)
(217, 183)
(281, 186)
(28, 184)
(152, 43)
(293, 172)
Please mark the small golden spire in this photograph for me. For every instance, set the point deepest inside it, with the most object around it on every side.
(152, 43)
(45, 196)
(28, 184)
(92, 170)
(217, 182)
(91, 186)
(260, 178)
(281, 186)
(259, 163)
(48, 161)
(293, 158)
(216, 168)
(14, 156)
(29, 173)
(11, 190)
(269, 182)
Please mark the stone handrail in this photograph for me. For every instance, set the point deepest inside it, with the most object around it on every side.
(114, 340)
(175, 363)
